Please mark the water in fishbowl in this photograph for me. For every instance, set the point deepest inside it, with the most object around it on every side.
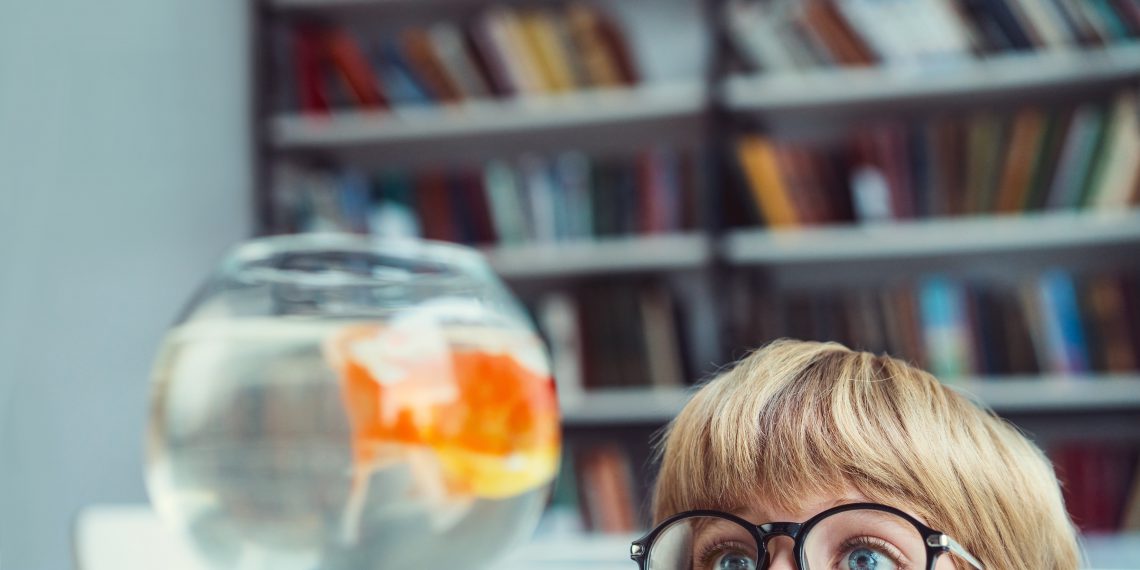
(320, 443)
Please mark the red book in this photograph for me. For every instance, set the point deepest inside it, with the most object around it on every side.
(650, 194)
(307, 51)
(477, 197)
(433, 205)
(346, 56)
(614, 41)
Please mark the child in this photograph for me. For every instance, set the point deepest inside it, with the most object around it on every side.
(813, 456)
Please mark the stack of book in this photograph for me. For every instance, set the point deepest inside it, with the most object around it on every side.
(1030, 159)
(597, 488)
(615, 335)
(503, 52)
(782, 36)
(567, 197)
(1101, 483)
(1054, 323)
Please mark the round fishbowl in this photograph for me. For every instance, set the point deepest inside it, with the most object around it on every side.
(338, 402)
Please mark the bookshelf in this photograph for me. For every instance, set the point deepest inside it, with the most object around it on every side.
(602, 257)
(679, 105)
(1005, 395)
(969, 236)
(1003, 77)
(702, 263)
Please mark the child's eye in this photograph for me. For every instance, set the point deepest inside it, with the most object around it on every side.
(726, 556)
(868, 553)
(733, 561)
(864, 558)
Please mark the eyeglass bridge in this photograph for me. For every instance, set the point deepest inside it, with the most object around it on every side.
(772, 530)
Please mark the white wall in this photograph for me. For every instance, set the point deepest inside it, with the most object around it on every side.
(123, 176)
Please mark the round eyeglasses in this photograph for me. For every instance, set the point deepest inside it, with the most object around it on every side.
(859, 536)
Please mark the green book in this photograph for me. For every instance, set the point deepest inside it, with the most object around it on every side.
(1045, 162)
(1098, 159)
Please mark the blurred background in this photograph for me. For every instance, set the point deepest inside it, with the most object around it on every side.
(665, 183)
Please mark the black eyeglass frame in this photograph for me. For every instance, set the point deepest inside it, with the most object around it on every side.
(937, 543)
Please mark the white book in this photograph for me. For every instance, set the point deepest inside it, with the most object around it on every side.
(1043, 17)
(663, 352)
(558, 318)
(508, 213)
(882, 25)
(754, 27)
(452, 53)
(540, 191)
(1120, 174)
(1072, 164)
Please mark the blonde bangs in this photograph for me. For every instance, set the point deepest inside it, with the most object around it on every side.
(799, 419)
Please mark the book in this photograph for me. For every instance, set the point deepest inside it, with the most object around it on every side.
(948, 347)
(404, 88)
(987, 137)
(758, 159)
(1051, 29)
(1077, 154)
(1114, 185)
(1109, 338)
(835, 34)
(1064, 333)
(1130, 518)
(1001, 27)
(662, 345)
(1025, 141)
(585, 25)
(488, 53)
(754, 28)
(544, 45)
(416, 45)
(605, 482)
(392, 211)
(354, 69)
(307, 64)
(450, 50)
(507, 203)
(558, 319)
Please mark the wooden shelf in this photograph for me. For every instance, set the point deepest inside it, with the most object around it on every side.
(544, 115)
(936, 237)
(612, 255)
(1007, 75)
(1015, 394)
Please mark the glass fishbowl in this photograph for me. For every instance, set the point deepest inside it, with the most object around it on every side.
(338, 402)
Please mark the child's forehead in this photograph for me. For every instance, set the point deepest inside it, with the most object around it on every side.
(763, 509)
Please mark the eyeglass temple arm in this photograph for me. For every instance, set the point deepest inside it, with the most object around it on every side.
(961, 552)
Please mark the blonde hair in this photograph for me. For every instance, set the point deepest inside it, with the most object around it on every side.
(796, 419)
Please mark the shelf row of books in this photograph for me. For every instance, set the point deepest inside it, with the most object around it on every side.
(1101, 484)
(570, 196)
(621, 334)
(616, 335)
(1031, 159)
(502, 52)
(598, 489)
(1055, 322)
(793, 36)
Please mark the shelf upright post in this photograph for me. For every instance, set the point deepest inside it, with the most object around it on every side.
(260, 87)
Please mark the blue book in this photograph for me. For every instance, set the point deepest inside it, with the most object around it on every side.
(945, 327)
(354, 201)
(1067, 349)
(1115, 27)
(397, 75)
